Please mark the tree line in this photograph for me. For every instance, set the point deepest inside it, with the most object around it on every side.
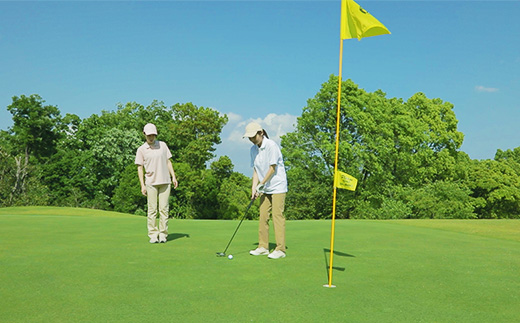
(405, 154)
(50, 159)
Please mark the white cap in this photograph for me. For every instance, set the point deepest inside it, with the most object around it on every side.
(150, 129)
(252, 129)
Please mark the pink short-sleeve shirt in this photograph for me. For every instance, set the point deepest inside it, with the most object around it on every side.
(154, 158)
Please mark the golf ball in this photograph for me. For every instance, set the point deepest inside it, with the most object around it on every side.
(230, 257)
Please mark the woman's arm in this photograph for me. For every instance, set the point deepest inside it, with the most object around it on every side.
(259, 185)
(270, 173)
(172, 173)
(140, 173)
(254, 193)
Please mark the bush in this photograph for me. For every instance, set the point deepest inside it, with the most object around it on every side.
(441, 200)
(127, 195)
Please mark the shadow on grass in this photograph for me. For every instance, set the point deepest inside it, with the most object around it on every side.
(175, 236)
(336, 253)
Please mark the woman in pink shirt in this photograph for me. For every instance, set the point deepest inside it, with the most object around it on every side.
(156, 179)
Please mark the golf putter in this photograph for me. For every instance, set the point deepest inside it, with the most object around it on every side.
(223, 254)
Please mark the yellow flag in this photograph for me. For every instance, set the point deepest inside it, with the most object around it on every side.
(344, 180)
(356, 22)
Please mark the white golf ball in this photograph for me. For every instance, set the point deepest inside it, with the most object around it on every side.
(230, 257)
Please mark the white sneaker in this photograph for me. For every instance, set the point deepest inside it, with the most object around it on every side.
(162, 240)
(259, 252)
(154, 240)
(276, 254)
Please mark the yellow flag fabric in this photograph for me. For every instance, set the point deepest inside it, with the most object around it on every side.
(344, 180)
(356, 22)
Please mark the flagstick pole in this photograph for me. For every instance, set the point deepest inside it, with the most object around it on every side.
(338, 116)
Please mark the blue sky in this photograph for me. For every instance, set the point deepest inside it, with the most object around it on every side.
(262, 60)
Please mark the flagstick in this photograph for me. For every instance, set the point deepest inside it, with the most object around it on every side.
(338, 115)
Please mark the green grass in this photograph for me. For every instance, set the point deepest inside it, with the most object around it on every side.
(70, 265)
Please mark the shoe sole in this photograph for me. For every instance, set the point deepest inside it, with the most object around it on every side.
(277, 257)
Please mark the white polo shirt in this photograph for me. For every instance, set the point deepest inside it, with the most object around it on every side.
(263, 157)
(154, 158)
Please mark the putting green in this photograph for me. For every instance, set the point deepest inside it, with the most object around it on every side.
(70, 265)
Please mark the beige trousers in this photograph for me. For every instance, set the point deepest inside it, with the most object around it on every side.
(158, 193)
(275, 204)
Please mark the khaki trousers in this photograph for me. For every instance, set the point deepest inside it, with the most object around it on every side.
(158, 193)
(276, 204)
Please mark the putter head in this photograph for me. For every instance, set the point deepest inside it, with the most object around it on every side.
(221, 254)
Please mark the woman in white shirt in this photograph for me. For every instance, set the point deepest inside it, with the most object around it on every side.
(270, 183)
(154, 156)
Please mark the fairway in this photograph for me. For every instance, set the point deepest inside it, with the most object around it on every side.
(78, 265)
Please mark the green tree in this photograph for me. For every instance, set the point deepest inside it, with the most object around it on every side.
(127, 195)
(233, 190)
(7, 167)
(36, 127)
(31, 141)
(88, 162)
(441, 200)
(222, 168)
(384, 143)
(182, 199)
(68, 174)
(192, 132)
(509, 157)
(112, 151)
(495, 185)
(234, 195)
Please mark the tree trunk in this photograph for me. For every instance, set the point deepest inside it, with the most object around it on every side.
(22, 163)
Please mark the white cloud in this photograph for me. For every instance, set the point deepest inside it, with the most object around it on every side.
(237, 148)
(480, 88)
(274, 124)
(233, 117)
